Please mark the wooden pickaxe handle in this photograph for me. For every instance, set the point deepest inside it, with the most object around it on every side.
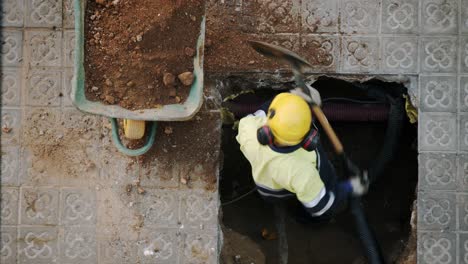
(317, 111)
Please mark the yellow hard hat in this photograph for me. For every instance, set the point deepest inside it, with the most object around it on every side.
(289, 118)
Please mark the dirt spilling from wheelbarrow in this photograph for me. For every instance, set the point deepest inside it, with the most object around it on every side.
(139, 53)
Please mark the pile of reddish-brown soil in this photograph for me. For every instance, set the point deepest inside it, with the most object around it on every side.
(227, 46)
(135, 51)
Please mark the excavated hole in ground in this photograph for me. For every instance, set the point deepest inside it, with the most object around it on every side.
(388, 204)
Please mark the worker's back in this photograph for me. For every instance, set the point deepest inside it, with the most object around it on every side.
(276, 169)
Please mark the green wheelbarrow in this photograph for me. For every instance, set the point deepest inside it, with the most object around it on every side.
(134, 121)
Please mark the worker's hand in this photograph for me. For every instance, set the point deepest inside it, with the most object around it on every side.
(314, 97)
(357, 178)
(360, 183)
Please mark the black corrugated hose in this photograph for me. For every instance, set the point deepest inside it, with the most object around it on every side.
(392, 135)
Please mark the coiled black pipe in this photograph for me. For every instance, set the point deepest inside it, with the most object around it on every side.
(392, 135)
(334, 111)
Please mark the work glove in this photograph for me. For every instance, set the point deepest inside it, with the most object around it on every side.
(359, 179)
(314, 97)
(360, 184)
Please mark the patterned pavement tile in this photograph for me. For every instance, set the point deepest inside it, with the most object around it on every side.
(438, 93)
(44, 47)
(11, 162)
(464, 54)
(199, 209)
(437, 171)
(199, 247)
(319, 16)
(356, 18)
(44, 87)
(464, 16)
(321, 51)
(438, 54)
(11, 121)
(160, 208)
(12, 13)
(78, 207)
(11, 86)
(8, 251)
(439, 17)
(463, 248)
(437, 210)
(437, 131)
(44, 13)
(9, 206)
(39, 206)
(69, 48)
(116, 250)
(463, 136)
(400, 16)
(360, 54)
(68, 77)
(160, 246)
(463, 101)
(437, 247)
(274, 16)
(68, 14)
(78, 245)
(38, 245)
(11, 47)
(400, 55)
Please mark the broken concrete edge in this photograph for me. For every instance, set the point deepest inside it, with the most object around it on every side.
(284, 80)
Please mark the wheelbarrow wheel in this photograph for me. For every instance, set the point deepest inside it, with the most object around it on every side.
(134, 129)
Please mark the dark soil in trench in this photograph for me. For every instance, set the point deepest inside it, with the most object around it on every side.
(131, 48)
(388, 204)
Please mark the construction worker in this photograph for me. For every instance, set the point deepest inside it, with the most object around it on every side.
(282, 145)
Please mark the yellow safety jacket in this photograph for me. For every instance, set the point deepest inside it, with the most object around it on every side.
(295, 172)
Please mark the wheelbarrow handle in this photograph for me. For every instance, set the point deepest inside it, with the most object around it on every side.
(132, 152)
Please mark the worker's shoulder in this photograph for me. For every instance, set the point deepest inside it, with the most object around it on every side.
(252, 120)
(297, 162)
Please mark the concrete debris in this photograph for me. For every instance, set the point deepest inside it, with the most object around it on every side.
(6, 130)
(186, 78)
